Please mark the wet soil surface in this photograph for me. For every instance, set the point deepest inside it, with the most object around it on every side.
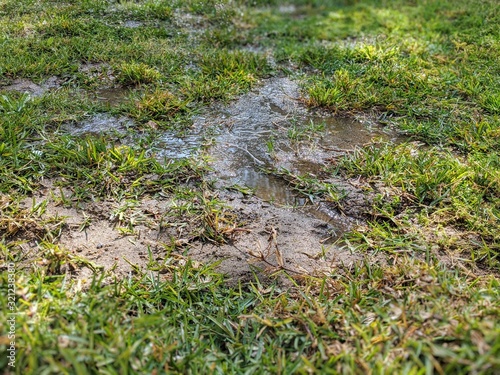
(269, 239)
(279, 221)
(29, 87)
(268, 128)
(100, 123)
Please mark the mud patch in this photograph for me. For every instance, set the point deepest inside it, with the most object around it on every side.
(98, 72)
(90, 233)
(265, 129)
(278, 230)
(275, 238)
(268, 240)
(29, 87)
(100, 123)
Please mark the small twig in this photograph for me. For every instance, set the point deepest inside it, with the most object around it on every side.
(281, 268)
(272, 240)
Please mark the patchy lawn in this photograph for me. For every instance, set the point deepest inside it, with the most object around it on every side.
(249, 187)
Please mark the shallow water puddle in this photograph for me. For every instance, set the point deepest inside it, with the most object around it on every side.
(268, 128)
(346, 134)
(245, 150)
(268, 187)
(172, 146)
(254, 133)
(258, 135)
(112, 95)
(100, 123)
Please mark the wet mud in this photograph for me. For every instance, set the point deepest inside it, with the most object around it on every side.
(267, 129)
(29, 87)
(270, 128)
(100, 123)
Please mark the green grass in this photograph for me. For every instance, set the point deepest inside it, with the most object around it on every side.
(431, 67)
(430, 190)
(364, 318)
(427, 68)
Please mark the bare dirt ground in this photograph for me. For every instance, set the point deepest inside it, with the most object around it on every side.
(270, 238)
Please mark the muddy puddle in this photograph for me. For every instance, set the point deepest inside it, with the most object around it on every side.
(112, 96)
(29, 87)
(252, 145)
(269, 128)
(172, 146)
(100, 123)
